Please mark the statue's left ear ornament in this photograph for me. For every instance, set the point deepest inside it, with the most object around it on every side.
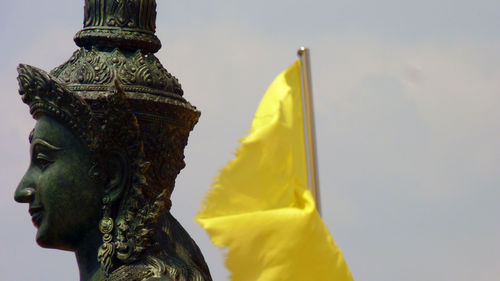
(45, 94)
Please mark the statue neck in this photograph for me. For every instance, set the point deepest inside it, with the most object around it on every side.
(86, 256)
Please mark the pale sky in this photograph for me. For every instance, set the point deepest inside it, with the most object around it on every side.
(407, 101)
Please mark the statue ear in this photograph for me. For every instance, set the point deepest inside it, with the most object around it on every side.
(117, 175)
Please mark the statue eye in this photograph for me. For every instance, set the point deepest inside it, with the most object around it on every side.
(43, 161)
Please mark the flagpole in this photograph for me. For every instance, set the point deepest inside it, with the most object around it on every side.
(305, 71)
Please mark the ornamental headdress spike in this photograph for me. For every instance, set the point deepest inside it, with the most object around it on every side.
(120, 23)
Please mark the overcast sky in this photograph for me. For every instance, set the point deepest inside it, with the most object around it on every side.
(408, 123)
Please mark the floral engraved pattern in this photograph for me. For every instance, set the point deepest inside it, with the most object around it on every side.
(129, 24)
(91, 67)
(139, 14)
(123, 13)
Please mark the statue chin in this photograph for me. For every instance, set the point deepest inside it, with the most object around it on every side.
(46, 242)
(108, 144)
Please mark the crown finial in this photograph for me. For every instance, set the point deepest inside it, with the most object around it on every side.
(125, 24)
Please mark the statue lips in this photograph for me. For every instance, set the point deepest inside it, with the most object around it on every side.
(36, 213)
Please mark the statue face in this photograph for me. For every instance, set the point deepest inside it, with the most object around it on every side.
(64, 201)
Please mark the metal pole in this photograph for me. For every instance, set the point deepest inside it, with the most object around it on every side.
(305, 70)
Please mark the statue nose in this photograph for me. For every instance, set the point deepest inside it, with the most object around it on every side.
(24, 195)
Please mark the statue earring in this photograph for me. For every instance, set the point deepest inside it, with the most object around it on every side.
(107, 250)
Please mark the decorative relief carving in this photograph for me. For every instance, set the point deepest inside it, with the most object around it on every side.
(123, 13)
(92, 67)
(128, 24)
(140, 14)
(147, 14)
(93, 12)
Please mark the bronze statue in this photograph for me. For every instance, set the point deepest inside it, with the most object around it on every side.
(107, 146)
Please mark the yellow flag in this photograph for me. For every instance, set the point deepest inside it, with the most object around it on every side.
(260, 208)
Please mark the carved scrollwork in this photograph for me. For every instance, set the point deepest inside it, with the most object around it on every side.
(44, 93)
(125, 23)
(122, 13)
(92, 67)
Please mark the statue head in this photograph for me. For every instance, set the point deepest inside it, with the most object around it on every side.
(85, 169)
(107, 146)
(63, 196)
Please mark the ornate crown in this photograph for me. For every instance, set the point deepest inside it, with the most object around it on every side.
(118, 43)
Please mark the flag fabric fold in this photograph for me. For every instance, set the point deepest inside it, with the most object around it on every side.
(260, 208)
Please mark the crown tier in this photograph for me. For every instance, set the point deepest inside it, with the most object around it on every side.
(125, 24)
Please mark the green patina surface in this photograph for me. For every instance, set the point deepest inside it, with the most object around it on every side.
(112, 124)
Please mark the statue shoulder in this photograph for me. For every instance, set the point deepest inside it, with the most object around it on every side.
(155, 269)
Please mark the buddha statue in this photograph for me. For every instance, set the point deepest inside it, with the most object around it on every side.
(111, 127)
